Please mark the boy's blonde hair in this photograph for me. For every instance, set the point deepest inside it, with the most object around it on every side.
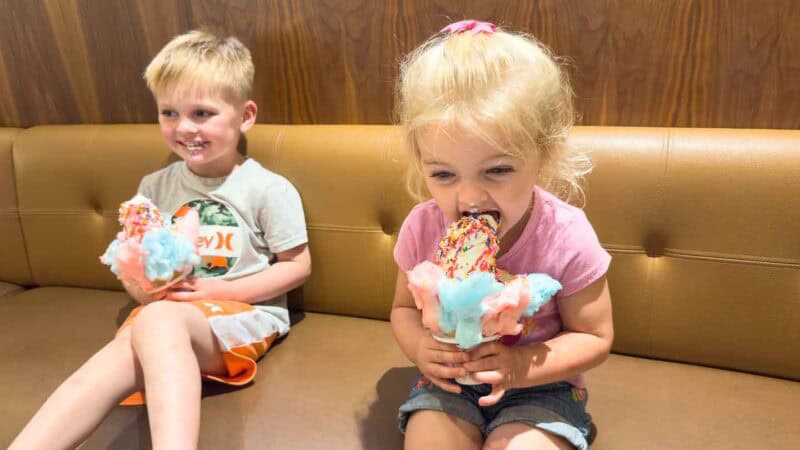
(223, 65)
(493, 84)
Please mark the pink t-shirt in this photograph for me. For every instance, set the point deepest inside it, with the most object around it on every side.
(558, 240)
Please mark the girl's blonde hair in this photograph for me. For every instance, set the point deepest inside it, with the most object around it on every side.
(493, 84)
(220, 64)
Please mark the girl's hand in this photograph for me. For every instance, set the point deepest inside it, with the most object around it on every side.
(439, 362)
(498, 365)
(193, 289)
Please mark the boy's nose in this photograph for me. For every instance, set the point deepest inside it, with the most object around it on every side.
(187, 126)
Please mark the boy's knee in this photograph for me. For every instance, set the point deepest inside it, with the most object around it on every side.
(157, 318)
(155, 311)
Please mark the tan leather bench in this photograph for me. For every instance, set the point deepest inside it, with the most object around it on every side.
(702, 224)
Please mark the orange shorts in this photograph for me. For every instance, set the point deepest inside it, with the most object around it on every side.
(240, 330)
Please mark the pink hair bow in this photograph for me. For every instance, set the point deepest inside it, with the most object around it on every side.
(474, 25)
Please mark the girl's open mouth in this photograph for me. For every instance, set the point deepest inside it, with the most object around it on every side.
(494, 213)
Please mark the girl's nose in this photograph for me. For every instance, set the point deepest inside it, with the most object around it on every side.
(471, 197)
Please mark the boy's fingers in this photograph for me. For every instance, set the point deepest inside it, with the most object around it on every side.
(181, 296)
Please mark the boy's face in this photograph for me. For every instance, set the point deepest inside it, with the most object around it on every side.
(464, 175)
(203, 128)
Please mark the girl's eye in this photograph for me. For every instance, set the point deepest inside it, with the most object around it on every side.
(441, 175)
(500, 170)
(168, 113)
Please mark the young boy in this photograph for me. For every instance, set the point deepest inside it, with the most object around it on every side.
(253, 244)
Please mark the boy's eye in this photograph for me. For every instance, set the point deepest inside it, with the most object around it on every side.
(203, 113)
(168, 113)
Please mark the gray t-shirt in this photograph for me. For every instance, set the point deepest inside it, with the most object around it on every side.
(245, 219)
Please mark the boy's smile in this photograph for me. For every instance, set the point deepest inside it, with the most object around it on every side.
(195, 147)
(204, 129)
(466, 175)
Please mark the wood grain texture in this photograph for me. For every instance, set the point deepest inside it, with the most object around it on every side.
(693, 63)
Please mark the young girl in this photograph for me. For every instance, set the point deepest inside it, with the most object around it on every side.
(486, 114)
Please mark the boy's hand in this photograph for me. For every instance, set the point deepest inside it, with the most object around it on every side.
(439, 362)
(140, 295)
(193, 289)
(498, 365)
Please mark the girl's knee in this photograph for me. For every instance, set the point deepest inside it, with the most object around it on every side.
(517, 435)
(436, 429)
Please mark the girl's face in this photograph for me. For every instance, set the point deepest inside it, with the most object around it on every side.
(465, 174)
(203, 129)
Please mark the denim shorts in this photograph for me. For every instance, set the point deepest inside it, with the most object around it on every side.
(558, 408)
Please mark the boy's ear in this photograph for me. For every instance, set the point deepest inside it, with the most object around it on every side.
(248, 116)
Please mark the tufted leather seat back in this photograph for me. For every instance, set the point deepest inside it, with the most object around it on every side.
(15, 268)
(702, 224)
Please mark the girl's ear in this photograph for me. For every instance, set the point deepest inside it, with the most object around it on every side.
(248, 116)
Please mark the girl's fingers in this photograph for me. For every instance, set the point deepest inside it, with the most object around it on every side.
(444, 371)
(447, 357)
(494, 397)
(445, 385)
(448, 372)
(483, 364)
(444, 346)
(482, 351)
(492, 377)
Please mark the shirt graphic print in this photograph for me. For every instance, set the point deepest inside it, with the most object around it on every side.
(219, 240)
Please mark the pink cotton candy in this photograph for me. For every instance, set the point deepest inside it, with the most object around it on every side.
(149, 251)
(423, 282)
(503, 310)
(129, 259)
(189, 225)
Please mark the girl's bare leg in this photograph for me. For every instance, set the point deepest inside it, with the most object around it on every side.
(435, 429)
(518, 436)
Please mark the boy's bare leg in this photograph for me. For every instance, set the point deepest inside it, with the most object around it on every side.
(173, 342)
(76, 407)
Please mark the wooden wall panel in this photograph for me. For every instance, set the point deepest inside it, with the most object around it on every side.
(694, 63)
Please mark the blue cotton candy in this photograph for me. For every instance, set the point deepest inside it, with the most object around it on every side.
(109, 256)
(166, 252)
(460, 306)
(542, 287)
